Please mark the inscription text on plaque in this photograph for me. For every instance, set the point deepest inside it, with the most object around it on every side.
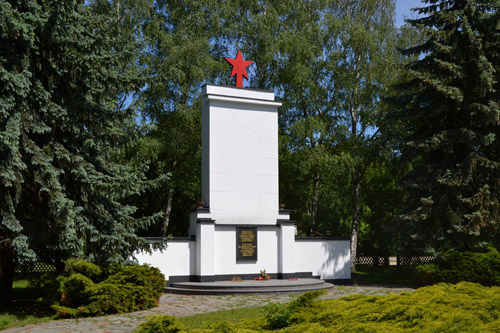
(246, 244)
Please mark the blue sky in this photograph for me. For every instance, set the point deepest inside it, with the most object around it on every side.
(403, 10)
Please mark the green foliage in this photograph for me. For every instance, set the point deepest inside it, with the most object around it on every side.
(25, 309)
(384, 275)
(148, 277)
(88, 269)
(277, 316)
(75, 289)
(280, 316)
(455, 266)
(440, 308)
(109, 298)
(306, 300)
(47, 288)
(91, 290)
(449, 108)
(63, 67)
(160, 324)
(222, 327)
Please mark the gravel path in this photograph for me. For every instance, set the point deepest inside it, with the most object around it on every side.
(186, 305)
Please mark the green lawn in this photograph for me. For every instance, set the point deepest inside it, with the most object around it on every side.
(24, 310)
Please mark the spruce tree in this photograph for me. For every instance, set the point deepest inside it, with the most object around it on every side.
(450, 108)
(61, 70)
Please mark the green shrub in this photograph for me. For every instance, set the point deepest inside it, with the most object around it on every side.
(463, 307)
(149, 277)
(87, 290)
(75, 290)
(47, 288)
(222, 327)
(306, 300)
(439, 308)
(454, 266)
(109, 298)
(160, 324)
(299, 310)
(88, 269)
(277, 316)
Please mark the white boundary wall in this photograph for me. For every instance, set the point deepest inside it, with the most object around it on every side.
(177, 260)
(326, 259)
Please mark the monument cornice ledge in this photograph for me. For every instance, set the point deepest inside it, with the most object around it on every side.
(242, 100)
(237, 92)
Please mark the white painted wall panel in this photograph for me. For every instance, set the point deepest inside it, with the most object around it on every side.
(177, 260)
(225, 252)
(329, 259)
(268, 146)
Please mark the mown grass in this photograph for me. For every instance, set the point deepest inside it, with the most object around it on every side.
(24, 309)
(462, 307)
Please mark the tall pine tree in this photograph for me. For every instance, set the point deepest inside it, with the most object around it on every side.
(450, 108)
(61, 69)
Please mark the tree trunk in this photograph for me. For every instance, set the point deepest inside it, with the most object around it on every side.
(314, 206)
(168, 212)
(356, 216)
(356, 179)
(6, 271)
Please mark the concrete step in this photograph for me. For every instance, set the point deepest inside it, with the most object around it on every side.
(248, 287)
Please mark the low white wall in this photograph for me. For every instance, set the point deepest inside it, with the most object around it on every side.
(225, 252)
(177, 259)
(328, 259)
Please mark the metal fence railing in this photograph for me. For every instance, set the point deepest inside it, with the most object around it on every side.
(390, 261)
(35, 268)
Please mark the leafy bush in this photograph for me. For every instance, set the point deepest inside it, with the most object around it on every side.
(438, 308)
(89, 290)
(148, 277)
(75, 289)
(109, 298)
(222, 327)
(88, 269)
(160, 324)
(277, 316)
(47, 286)
(281, 316)
(454, 266)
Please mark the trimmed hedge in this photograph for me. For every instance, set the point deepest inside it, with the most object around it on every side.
(454, 266)
(86, 289)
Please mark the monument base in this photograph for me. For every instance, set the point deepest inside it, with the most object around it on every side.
(248, 287)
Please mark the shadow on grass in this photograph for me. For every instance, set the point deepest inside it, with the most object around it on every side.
(386, 275)
(24, 308)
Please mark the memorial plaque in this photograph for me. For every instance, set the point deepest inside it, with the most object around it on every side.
(246, 244)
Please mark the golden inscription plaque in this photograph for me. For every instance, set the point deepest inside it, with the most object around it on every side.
(246, 244)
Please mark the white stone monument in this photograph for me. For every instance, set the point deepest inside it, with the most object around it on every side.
(240, 230)
(240, 187)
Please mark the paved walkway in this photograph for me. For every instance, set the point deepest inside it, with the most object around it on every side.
(186, 305)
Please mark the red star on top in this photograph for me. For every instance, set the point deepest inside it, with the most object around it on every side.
(239, 68)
